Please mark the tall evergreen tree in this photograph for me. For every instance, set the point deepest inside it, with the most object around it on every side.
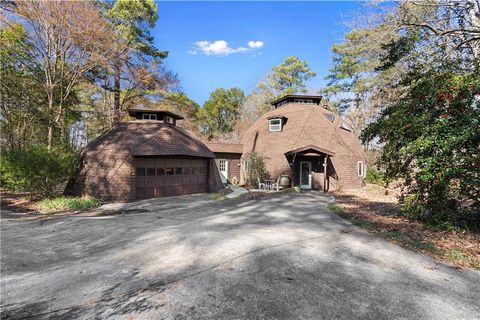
(220, 112)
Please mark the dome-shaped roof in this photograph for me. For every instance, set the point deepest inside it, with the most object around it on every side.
(150, 139)
(304, 125)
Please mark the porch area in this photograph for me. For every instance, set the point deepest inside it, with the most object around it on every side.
(311, 167)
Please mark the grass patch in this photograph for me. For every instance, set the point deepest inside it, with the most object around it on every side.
(335, 208)
(218, 197)
(396, 237)
(457, 256)
(407, 242)
(454, 256)
(69, 203)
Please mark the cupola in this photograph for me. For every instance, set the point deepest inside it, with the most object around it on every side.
(296, 99)
(154, 115)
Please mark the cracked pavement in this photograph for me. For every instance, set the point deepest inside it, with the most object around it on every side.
(189, 257)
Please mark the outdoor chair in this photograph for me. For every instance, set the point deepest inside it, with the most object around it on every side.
(275, 185)
(261, 184)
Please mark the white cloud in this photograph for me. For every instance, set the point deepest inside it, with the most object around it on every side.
(255, 44)
(221, 47)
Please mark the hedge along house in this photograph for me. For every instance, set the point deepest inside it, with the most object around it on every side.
(308, 143)
(145, 158)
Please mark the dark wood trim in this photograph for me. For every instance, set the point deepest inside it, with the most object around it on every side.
(325, 162)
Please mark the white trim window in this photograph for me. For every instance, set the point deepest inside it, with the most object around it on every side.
(361, 169)
(222, 164)
(149, 116)
(246, 165)
(275, 125)
(282, 103)
(303, 101)
(169, 119)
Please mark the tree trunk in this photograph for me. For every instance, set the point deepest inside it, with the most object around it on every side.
(50, 123)
(116, 91)
(474, 14)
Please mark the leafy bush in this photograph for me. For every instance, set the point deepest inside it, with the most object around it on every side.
(377, 177)
(69, 203)
(256, 168)
(431, 141)
(411, 207)
(37, 169)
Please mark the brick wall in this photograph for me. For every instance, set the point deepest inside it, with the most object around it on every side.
(214, 181)
(106, 174)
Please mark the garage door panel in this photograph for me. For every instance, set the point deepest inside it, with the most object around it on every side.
(178, 180)
(140, 182)
(169, 181)
(158, 177)
(160, 192)
(149, 192)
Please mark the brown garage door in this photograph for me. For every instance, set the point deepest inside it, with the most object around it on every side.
(160, 177)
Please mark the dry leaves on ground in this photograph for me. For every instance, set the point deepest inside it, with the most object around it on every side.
(381, 210)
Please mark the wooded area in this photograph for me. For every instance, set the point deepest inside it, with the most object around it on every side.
(406, 78)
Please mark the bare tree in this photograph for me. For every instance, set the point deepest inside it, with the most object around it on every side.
(67, 39)
(457, 23)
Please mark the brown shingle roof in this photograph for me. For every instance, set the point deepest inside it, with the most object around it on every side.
(309, 150)
(307, 129)
(224, 147)
(151, 139)
(307, 126)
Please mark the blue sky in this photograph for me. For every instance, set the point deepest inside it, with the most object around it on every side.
(258, 36)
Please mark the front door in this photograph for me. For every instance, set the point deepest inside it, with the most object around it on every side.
(306, 175)
(223, 169)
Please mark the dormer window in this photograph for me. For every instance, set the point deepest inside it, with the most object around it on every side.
(275, 125)
(169, 119)
(149, 116)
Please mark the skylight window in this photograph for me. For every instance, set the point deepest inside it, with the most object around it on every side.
(330, 117)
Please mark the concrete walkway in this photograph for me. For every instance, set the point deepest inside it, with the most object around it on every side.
(285, 257)
(237, 192)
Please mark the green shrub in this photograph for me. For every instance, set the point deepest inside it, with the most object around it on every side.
(36, 169)
(411, 207)
(69, 203)
(377, 177)
(256, 168)
(416, 209)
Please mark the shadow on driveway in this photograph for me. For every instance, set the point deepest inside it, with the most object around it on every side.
(279, 258)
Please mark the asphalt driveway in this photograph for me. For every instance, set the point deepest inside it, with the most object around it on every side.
(280, 258)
